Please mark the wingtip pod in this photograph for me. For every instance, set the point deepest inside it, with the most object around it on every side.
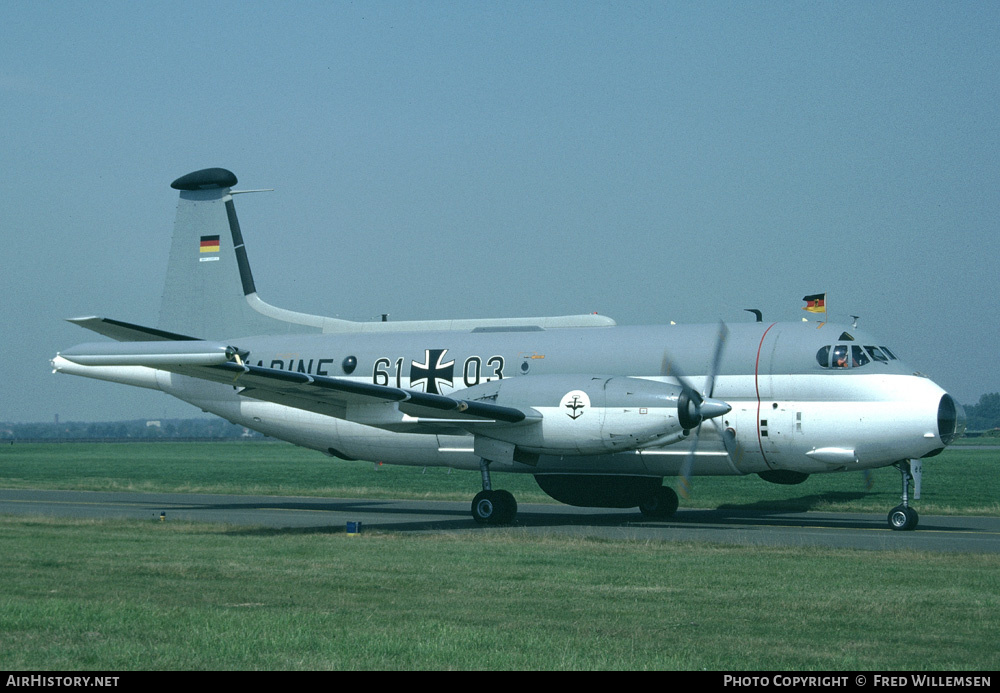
(205, 179)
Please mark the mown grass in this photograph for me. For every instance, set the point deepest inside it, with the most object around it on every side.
(959, 481)
(122, 595)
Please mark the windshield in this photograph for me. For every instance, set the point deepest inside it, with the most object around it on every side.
(852, 355)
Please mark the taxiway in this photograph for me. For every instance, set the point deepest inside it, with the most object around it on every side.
(744, 527)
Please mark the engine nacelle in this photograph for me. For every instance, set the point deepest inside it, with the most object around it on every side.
(586, 415)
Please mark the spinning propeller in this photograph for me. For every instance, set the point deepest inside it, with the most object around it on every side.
(693, 408)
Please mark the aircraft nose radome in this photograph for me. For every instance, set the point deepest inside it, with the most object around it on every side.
(951, 419)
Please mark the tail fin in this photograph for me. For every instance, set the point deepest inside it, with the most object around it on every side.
(209, 291)
(210, 294)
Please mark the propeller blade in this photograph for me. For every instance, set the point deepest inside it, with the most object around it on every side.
(671, 369)
(684, 480)
(709, 409)
(869, 477)
(716, 359)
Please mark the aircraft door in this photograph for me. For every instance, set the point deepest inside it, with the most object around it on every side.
(777, 426)
(745, 455)
(776, 420)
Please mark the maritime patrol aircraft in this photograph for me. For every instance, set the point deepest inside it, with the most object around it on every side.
(599, 414)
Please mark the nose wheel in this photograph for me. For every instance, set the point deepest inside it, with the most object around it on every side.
(903, 518)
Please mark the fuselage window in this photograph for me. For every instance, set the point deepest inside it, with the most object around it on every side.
(876, 354)
(858, 356)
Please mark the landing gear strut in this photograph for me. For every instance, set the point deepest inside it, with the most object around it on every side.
(903, 517)
(491, 507)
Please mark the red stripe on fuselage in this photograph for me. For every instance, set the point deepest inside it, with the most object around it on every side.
(756, 383)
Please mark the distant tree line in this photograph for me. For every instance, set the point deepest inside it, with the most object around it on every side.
(984, 416)
(138, 429)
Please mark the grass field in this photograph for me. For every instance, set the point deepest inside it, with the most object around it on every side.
(959, 481)
(121, 595)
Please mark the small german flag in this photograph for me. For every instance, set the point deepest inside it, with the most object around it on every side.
(209, 244)
(816, 303)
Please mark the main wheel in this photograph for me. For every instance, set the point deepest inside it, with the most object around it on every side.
(660, 505)
(508, 507)
(903, 519)
(494, 508)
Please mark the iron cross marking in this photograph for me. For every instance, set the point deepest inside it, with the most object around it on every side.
(431, 371)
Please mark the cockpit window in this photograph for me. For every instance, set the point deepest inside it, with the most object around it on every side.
(823, 356)
(858, 356)
(852, 355)
(876, 353)
(839, 356)
(846, 337)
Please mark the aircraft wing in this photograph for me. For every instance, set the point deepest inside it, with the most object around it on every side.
(360, 402)
(386, 407)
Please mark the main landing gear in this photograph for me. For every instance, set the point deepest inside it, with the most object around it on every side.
(491, 507)
(904, 518)
(660, 505)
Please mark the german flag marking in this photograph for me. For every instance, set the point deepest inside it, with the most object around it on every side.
(209, 244)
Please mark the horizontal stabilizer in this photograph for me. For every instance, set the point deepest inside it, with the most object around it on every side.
(126, 331)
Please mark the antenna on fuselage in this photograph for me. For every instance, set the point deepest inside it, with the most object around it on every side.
(760, 316)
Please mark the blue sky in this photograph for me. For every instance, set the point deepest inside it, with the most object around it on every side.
(651, 161)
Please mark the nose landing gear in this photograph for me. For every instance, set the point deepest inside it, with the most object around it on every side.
(903, 518)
